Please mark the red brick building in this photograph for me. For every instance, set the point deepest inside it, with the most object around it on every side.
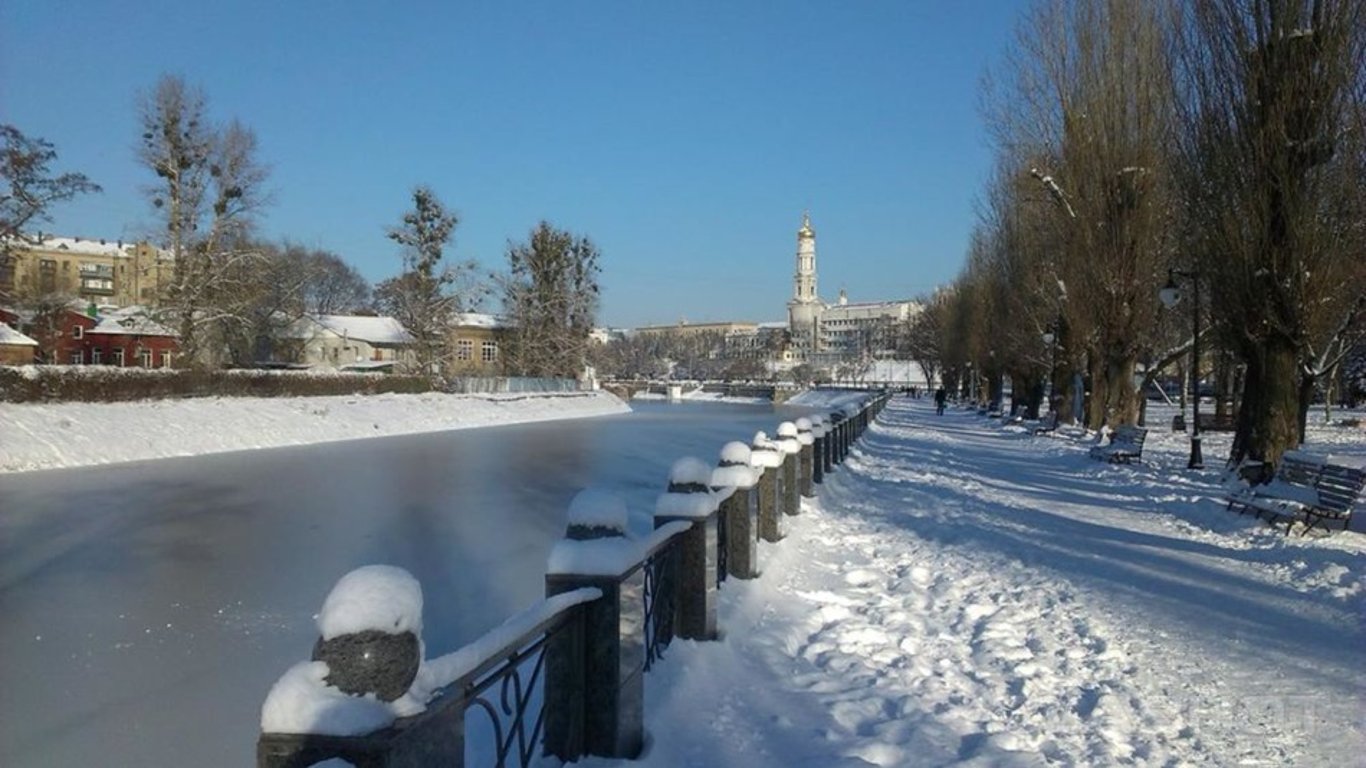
(71, 337)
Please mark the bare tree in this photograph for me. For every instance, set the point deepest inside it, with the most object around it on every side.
(333, 287)
(209, 189)
(550, 294)
(28, 191)
(1273, 152)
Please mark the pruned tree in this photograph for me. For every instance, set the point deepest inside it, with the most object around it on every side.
(210, 187)
(425, 297)
(1273, 152)
(28, 191)
(550, 295)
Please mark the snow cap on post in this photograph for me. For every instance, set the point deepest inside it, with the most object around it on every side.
(370, 632)
(734, 470)
(764, 453)
(689, 492)
(787, 438)
(381, 597)
(594, 514)
(689, 471)
(805, 431)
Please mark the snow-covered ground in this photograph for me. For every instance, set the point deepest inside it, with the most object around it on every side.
(47, 436)
(967, 593)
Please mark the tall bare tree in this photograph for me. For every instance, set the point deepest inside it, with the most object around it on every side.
(551, 296)
(1273, 154)
(209, 189)
(27, 191)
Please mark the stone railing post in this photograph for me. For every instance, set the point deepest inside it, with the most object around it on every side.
(765, 457)
(733, 473)
(804, 457)
(370, 641)
(837, 444)
(690, 499)
(594, 687)
(818, 433)
(791, 448)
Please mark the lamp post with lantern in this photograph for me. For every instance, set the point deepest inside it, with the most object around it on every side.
(1170, 295)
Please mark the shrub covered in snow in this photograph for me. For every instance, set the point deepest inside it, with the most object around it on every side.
(107, 383)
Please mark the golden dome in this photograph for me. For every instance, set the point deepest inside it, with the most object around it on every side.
(806, 230)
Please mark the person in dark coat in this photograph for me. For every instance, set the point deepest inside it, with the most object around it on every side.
(940, 397)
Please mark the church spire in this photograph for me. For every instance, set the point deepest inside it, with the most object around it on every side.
(806, 230)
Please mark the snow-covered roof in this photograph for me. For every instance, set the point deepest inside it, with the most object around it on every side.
(477, 320)
(12, 338)
(372, 330)
(80, 245)
(131, 323)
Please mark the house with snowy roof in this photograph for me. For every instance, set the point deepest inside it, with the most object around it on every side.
(346, 342)
(127, 337)
(476, 341)
(15, 347)
(92, 270)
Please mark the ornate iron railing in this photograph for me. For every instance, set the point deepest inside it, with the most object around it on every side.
(661, 577)
(509, 688)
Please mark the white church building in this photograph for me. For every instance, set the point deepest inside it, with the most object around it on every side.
(827, 333)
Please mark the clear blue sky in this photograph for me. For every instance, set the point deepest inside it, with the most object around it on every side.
(684, 138)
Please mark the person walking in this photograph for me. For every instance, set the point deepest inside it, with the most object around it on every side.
(940, 396)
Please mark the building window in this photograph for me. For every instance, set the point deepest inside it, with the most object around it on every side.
(77, 331)
(489, 351)
(77, 358)
(166, 359)
(145, 358)
(464, 349)
(118, 356)
(95, 355)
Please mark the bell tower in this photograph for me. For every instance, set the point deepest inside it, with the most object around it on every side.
(804, 309)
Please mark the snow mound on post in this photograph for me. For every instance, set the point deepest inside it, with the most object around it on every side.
(301, 702)
(806, 431)
(735, 452)
(764, 452)
(690, 469)
(787, 438)
(689, 505)
(380, 597)
(594, 508)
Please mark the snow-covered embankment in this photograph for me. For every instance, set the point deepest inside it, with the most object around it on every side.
(48, 436)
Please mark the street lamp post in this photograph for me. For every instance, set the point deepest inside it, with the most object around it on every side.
(1170, 295)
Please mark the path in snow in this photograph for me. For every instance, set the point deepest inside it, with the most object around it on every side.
(967, 593)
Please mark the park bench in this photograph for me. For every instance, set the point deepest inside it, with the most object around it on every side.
(1215, 422)
(1305, 488)
(1126, 444)
(1047, 424)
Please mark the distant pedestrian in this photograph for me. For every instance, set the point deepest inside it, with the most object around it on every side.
(940, 397)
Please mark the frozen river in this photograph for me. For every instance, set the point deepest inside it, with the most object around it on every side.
(146, 608)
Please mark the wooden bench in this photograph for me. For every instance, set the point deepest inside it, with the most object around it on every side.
(1047, 424)
(1306, 489)
(1126, 445)
(1213, 422)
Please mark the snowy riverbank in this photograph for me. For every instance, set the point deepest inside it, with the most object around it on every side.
(49, 436)
(965, 593)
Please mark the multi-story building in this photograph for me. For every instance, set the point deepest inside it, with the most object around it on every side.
(98, 271)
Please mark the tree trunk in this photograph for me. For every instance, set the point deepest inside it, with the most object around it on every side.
(1121, 400)
(1268, 421)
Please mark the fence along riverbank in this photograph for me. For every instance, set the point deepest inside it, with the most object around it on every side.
(565, 677)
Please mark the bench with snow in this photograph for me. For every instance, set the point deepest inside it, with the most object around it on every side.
(1306, 488)
(1047, 424)
(1126, 444)
(1217, 422)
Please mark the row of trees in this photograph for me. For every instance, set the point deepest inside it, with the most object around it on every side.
(233, 293)
(1219, 143)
